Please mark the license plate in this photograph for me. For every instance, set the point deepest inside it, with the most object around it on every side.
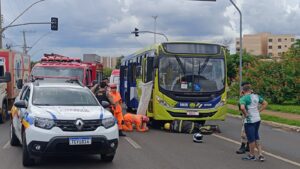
(80, 141)
(192, 113)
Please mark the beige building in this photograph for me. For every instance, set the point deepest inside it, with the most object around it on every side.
(266, 44)
(107, 61)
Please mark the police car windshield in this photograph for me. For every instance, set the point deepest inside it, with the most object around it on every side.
(53, 96)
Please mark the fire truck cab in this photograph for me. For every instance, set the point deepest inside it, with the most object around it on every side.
(58, 66)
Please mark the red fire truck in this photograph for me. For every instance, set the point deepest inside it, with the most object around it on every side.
(54, 65)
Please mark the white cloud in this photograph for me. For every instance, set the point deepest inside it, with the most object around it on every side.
(104, 26)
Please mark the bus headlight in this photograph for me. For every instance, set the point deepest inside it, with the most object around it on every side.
(221, 103)
(162, 102)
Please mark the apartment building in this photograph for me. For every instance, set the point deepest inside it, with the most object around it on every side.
(107, 61)
(266, 44)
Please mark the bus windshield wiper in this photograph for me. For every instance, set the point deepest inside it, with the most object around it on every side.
(180, 64)
(201, 68)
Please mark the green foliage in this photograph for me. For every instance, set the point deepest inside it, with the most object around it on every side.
(278, 81)
(119, 62)
(32, 63)
(233, 62)
(107, 72)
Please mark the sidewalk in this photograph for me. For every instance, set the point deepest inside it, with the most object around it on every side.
(288, 116)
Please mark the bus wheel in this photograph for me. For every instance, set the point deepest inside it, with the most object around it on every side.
(156, 124)
(202, 123)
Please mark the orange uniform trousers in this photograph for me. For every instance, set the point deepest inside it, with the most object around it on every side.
(132, 119)
(117, 108)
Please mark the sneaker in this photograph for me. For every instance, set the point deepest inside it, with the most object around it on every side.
(249, 157)
(261, 158)
(241, 151)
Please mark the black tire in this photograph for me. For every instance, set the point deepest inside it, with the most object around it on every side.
(27, 160)
(107, 157)
(3, 113)
(14, 141)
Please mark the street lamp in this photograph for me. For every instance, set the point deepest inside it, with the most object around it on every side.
(241, 41)
(10, 24)
(154, 17)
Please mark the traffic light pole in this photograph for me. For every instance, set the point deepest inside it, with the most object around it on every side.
(156, 33)
(10, 24)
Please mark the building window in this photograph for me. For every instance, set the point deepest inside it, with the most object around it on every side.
(285, 46)
(270, 47)
(238, 49)
(270, 40)
(237, 42)
(285, 39)
(279, 47)
(292, 39)
(279, 53)
(279, 39)
(270, 54)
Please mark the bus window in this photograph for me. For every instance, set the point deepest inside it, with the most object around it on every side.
(1, 70)
(149, 69)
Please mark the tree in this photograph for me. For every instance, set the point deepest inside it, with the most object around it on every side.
(107, 72)
(119, 62)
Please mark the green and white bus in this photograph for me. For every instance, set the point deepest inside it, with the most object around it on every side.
(189, 80)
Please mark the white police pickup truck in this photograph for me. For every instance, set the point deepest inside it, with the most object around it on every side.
(61, 118)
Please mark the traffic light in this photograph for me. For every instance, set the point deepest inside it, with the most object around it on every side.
(136, 32)
(54, 23)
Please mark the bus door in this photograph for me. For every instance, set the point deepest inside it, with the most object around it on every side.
(148, 75)
(131, 88)
(122, 82)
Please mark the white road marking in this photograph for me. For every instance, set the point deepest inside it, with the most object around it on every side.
(265, 152)
(133, 143)
(6, 145)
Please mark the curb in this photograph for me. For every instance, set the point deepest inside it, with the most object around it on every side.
(273, 124)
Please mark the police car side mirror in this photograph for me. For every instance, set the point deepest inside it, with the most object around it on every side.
(105, 104)
(21, 104)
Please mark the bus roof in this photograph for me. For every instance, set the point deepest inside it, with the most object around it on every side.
(155, 46)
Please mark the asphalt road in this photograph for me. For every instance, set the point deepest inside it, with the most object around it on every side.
(162, 150)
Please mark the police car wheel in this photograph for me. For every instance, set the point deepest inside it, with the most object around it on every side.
(27, 160)
(14, 141)
(107, 157)
(3, 113)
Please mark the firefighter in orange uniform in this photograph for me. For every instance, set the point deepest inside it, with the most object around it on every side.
(140, 122)
(116, 101)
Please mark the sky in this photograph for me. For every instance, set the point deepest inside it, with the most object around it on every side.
(103, 26)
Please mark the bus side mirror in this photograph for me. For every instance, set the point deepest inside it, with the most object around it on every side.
(19, 83)
(6, 78)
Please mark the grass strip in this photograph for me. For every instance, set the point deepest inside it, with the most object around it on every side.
(293, 109)
(270, 118)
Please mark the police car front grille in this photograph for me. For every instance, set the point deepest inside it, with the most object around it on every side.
(69, 125)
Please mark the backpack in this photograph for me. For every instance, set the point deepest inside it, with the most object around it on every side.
(183, 126)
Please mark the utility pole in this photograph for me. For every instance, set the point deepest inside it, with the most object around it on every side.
(155, 17)
(25, 44)
(1, 31)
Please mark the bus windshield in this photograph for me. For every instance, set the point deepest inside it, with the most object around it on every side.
(191, 74)
(58, 72)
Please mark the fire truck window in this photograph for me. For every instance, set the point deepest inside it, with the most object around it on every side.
(87, 77)
(1, 70)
